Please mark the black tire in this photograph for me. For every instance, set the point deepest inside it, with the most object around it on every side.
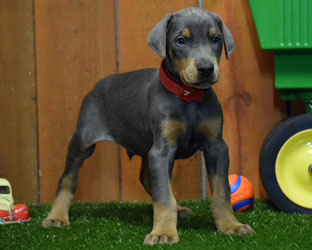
(271, 147)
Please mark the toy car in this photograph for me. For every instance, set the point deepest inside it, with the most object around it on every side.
(10, 213)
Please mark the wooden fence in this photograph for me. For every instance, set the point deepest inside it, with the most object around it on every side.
(52, 52)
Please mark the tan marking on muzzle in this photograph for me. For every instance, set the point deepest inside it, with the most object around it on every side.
(173, 130)
(187, 70)
(216, 72)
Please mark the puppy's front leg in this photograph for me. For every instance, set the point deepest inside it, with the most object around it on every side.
(217, 163)
(164, 204)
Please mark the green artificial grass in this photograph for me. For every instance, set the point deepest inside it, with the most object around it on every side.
(124, 225)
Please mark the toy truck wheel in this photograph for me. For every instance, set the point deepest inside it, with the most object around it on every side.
(286, 165)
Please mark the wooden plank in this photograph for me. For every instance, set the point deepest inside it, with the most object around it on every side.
(258, 104)
(136, 19)
(75, 48)
(18, 117)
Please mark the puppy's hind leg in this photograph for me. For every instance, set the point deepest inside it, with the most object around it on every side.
(67, 186)
(90, 130)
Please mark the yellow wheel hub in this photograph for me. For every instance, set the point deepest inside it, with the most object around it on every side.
(293, 168)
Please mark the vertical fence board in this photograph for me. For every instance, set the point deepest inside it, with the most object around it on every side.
(75, 48)
(257, 105)
(18, 118)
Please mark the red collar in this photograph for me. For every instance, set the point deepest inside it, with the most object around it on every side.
(186, 93)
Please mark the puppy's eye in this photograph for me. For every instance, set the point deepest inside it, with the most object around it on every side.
(217, 39)
(181, 40)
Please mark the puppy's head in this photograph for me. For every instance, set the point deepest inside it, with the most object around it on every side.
(192, 42)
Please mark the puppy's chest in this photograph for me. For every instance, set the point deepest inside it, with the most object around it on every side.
(186, 134)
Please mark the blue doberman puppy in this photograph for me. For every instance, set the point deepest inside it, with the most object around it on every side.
(162, 115)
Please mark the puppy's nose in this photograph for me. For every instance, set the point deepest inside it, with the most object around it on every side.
(205, 69)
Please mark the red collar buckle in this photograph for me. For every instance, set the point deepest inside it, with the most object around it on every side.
(189, 94)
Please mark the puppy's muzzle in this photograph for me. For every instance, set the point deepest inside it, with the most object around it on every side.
(205, 70)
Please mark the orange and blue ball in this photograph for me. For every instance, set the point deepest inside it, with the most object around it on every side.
(242, 193)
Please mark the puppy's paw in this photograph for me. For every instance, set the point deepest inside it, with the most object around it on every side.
(55, 222)
(153, 239)
(238, 229)
(184, 212)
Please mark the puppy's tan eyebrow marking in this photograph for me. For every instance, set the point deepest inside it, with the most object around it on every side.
(186, 33)
(212, 32)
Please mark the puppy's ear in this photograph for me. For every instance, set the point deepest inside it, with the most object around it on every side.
(157, 37)
(229, 44)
